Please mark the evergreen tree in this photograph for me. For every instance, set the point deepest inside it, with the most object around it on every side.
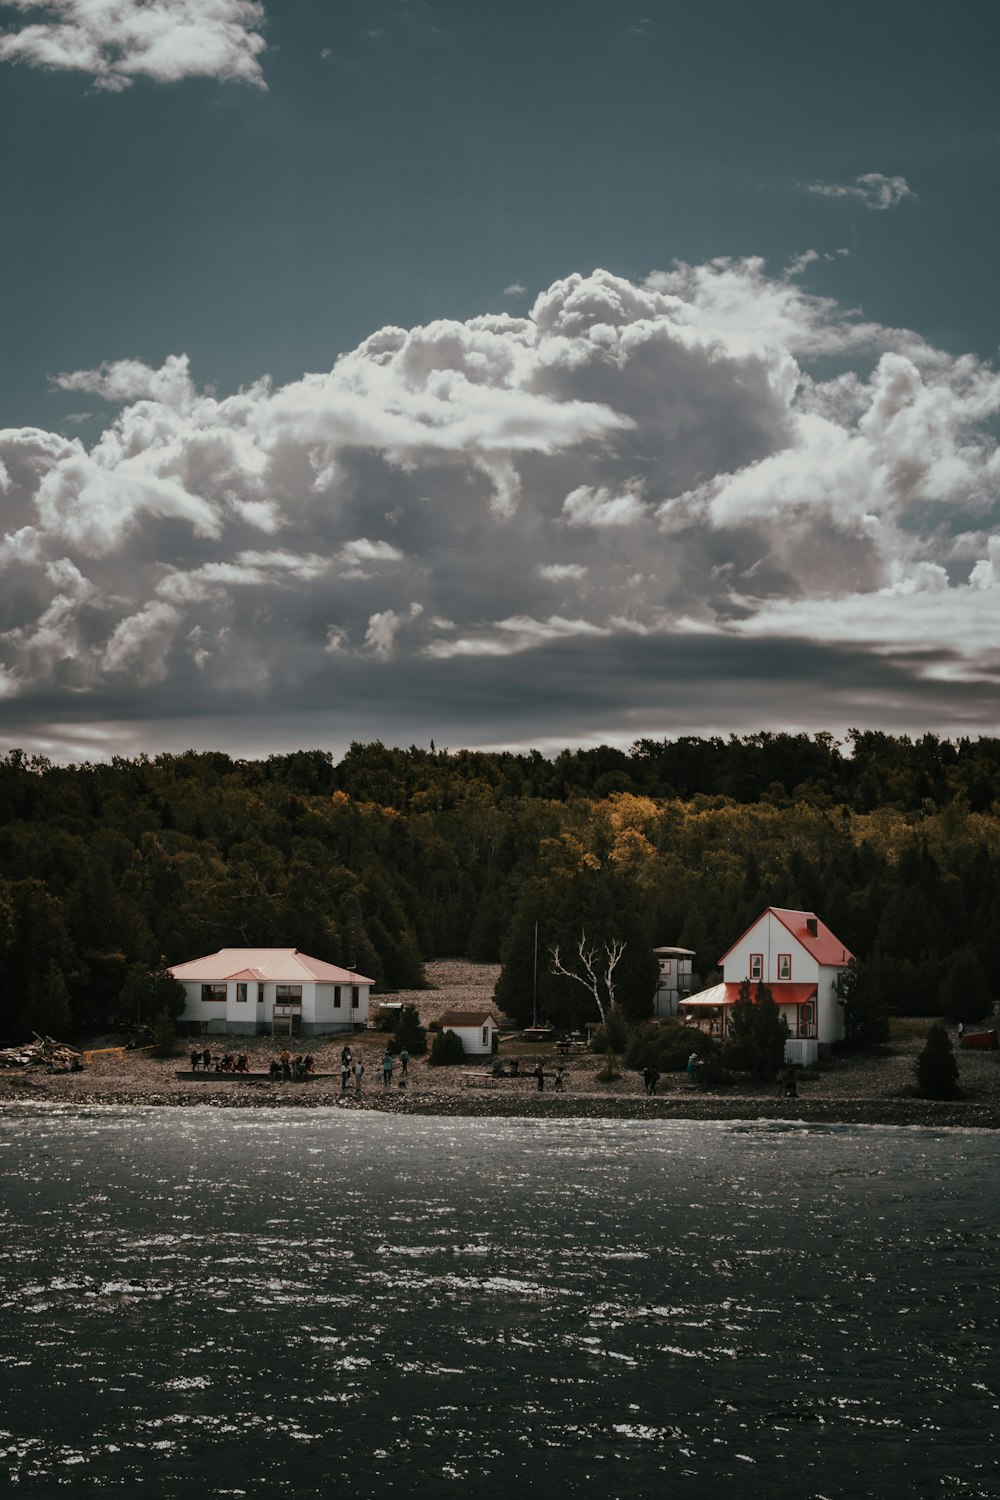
(409, 1032)
(965, 993)
(937, 1070)
(865, 1020)
(756, 1033)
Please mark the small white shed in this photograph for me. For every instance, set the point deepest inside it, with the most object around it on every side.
(474, 1029)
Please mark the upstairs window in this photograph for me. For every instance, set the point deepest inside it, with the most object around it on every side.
(784, 966)
(756, 967)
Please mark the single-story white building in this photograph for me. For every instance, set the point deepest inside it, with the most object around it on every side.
(474, 1029)
(243, 991)
(799, 960)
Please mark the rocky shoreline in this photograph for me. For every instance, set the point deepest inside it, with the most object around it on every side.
(871, 1089)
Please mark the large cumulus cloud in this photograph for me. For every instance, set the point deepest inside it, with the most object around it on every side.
(530, 526)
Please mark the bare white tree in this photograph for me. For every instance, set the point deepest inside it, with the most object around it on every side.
(592, 978)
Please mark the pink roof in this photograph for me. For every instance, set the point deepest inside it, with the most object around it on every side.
(283, 965)
(825, 947)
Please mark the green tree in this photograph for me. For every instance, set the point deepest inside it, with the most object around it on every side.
(756, 1033)
(865, 1021)
(936, 1068)
(46, 1007)
(409, 1032)
(148, 993)
(965, 994)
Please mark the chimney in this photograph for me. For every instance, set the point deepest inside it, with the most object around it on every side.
(812, 927)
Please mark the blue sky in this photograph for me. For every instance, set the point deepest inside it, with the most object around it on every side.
(743, 477)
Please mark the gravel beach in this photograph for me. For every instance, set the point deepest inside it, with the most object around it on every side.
(870, 1090)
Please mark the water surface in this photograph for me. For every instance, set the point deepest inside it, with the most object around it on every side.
(211, 1302)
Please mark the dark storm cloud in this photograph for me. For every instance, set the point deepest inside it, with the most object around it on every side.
(637, 507)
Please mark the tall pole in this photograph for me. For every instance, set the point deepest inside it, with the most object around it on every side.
(534, 983)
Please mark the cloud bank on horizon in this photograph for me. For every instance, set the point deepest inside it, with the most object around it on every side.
(542, 528)
(117, 41)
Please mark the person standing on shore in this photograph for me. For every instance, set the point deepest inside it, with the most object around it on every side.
(387, 1069)
(359, 1073)
(540, 1075)
(404, 1061)
(345, 1073)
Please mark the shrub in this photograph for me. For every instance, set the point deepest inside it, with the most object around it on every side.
(610, 1072)
(616, 1029)
(937, 1070)
(667, 1045)
(447, 1049)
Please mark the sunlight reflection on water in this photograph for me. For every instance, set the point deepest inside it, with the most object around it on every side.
(223, 1302)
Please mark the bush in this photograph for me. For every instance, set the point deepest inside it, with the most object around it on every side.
(447, 1049)
(610, 1072)
(937, 1070)
(409, 1032)
(667, 1045)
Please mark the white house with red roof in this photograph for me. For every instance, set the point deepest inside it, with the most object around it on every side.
(242, 991)
(800, 960)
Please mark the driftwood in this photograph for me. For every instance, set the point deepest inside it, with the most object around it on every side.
(43, 1052)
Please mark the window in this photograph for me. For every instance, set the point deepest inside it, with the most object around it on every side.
(757, 967)
(784, 966)
(354, 996)
(664, 966)
(486, 1036)
(214, 993)
(288, 994)
(241, 994)
(336, 997)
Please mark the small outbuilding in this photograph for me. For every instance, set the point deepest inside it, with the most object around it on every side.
(673, 983)
(474, 1028)
(243, 991)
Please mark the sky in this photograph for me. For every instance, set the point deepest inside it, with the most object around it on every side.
(499, 374)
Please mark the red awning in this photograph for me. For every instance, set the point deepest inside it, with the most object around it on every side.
(781, 994)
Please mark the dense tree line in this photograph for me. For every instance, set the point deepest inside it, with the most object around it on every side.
(390, 856)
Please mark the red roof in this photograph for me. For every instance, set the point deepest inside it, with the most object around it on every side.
(825, 947)
(781, 994)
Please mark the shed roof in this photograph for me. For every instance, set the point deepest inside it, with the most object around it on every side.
(453, 1018)
(283, 965)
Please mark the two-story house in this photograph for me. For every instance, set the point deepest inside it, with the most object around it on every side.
(800, 960)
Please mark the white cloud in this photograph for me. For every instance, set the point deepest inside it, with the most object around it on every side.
(516, 289)
(628, 468)
(873, 189)
(117, 41)
(587, 506)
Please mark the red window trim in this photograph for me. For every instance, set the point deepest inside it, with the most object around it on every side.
(788, 973)
(759, 976)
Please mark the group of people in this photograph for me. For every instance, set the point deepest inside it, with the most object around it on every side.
(354, 1067)
(288, 1069)
(228, 1062)
(283, 1068)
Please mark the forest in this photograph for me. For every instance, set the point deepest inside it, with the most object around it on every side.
(387, 857)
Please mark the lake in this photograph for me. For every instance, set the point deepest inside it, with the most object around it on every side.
(204, 1302)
